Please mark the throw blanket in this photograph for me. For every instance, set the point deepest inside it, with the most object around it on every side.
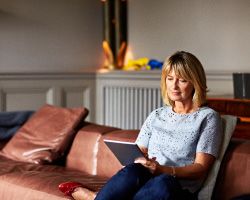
(10, 122)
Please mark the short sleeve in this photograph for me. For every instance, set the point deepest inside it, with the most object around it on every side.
(146, 131)
(211, 134)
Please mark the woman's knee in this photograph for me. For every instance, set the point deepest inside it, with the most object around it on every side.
(124, 184)
(135, 172)
(165, 179)
(165, 182)
(133, 169)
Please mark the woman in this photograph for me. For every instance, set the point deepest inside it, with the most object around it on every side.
(180, 140)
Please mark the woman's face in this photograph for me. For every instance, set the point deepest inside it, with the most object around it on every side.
(179, 89)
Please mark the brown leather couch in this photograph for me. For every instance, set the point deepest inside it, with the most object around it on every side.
(90, 162)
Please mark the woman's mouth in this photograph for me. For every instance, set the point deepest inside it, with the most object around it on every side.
(176, 93)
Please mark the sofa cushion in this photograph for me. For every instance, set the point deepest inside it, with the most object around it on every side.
(29, 181)
(228, 124)
(45, 136)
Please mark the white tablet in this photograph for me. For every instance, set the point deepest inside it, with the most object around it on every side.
(125, 152)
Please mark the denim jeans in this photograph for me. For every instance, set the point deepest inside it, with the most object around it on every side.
(135, 182)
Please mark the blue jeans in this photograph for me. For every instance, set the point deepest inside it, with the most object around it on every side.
(135, 182)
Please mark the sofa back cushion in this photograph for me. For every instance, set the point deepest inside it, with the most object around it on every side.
(45, 136)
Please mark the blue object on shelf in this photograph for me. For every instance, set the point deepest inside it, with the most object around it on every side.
(155, 64)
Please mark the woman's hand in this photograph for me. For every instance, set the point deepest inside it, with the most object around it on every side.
(149, 163)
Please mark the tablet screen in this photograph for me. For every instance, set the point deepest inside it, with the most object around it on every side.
(125, 152)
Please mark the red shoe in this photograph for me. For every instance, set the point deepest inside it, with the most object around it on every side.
(68, 187)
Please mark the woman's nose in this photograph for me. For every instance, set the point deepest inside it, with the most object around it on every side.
(175, 83)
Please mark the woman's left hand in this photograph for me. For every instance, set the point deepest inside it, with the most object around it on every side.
(150, 163)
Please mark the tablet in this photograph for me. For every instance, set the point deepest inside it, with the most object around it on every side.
(125, 152)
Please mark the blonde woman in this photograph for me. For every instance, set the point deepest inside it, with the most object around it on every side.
(181, 140)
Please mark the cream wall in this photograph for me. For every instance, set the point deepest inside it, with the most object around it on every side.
(66, 35)
(217, 31)
(50, 35)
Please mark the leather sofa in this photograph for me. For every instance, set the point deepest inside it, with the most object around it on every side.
(89, 161)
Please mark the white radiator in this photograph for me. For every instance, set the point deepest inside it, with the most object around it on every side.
(125, 98)
(128, 107)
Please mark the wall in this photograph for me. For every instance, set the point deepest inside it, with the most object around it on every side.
(50, 35)
(65, 35)
(218, 32)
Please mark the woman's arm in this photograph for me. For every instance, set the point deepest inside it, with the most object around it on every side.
(197, 170)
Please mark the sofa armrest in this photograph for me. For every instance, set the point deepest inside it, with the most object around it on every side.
(122, 135)
(234, 175)
(86, 148)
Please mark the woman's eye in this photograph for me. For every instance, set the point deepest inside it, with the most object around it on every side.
(183, 80)
(169, 78)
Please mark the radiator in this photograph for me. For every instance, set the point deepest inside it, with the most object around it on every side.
(128, 107)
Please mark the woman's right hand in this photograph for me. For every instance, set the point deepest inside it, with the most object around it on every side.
(141, 160)
(144, 150)
(151, 164)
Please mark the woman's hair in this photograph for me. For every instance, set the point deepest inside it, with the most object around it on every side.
(188, 67)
